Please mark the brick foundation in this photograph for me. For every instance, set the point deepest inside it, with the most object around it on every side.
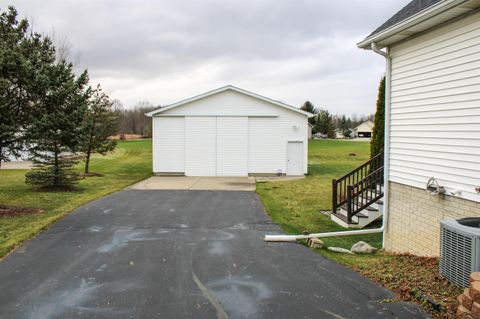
(414, 219)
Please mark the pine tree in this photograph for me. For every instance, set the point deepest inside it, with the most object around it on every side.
(99, 123)
(55, 135)
(377, 143)
(14, 79)
(309, 107)
(324, 124)
(345, 125)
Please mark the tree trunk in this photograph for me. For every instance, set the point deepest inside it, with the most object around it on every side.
(56, 169)
(87, 161)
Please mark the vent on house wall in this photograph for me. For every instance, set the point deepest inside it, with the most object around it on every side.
(459, 249)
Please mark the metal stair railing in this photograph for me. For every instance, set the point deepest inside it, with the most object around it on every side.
(359, 188)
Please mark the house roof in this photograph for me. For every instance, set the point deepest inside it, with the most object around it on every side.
(367, 125)
(406, 12)
(416, 17)
(229, 88)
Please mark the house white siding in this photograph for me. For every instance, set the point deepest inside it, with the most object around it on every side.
(435, 108)
(168, 144)
(230, 134)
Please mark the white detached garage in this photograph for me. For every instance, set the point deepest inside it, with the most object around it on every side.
(229, 132)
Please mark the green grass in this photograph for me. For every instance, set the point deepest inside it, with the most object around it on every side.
(130, 163)
(296, 205)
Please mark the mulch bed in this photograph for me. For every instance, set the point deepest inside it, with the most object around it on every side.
(13, 211)
(415, 279)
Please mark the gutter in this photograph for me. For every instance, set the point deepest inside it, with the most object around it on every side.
(383, 228)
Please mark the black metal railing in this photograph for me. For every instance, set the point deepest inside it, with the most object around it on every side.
(359, 188)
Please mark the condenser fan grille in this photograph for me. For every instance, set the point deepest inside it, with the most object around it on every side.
(456, 253)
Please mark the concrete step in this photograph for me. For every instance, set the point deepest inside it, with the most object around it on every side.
(360, 220)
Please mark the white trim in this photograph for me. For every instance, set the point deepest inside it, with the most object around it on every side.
(216, 115)
(417, 18)
(223, 89)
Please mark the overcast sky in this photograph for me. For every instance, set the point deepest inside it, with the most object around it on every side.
(164, 51)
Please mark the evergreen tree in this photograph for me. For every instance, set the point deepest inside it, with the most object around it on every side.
(377, 143)
(324, 124)
(99, 123)
(14, 79)
(345, 126)
(309, 107)
(56, 134)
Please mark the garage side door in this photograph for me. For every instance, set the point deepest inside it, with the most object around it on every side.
(168, 144)
(200, 146)
(232, 146)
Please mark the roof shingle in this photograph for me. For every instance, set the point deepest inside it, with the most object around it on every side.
(406, 12)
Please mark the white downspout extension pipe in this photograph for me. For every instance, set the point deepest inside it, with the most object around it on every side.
(288, 238)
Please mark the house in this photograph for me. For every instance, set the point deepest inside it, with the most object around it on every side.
(229, 132)
(364, 130)
(432, 121)
(339, 133)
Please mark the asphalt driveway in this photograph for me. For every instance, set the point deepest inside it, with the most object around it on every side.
(180, 254)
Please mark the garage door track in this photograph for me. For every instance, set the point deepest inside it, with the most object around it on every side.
(180, 254)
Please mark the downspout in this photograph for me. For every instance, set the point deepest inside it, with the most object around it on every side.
(386, 151)
(283, 238)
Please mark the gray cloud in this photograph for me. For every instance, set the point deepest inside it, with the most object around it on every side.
(164, 51)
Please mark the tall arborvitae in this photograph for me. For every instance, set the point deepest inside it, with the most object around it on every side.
(378, 134)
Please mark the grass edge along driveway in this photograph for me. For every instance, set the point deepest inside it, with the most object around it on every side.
(128, 164)
(295, 206)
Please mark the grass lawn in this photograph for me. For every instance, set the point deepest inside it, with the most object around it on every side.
(130, 163)
(296, 206)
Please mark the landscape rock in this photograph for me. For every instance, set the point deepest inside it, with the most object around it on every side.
(465, 300)
(340, 250)
(315, 243)
(463, 313)
(475, 276)
(363, 248)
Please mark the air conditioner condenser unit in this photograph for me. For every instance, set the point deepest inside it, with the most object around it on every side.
(459, 249)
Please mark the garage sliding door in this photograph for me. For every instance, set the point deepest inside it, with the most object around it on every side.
(232, 146)
(216, 146)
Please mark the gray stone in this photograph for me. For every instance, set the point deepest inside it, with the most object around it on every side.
(340, 250)
(315, 243)
(363, 248)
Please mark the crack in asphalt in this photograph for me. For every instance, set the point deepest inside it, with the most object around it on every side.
(221, 314)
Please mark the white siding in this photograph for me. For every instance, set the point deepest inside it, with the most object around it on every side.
(435, 108)
(232, 146)
(168, 144)
(200, 146)
(224, 129)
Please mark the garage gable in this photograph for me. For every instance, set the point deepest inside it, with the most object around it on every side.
(226, 101)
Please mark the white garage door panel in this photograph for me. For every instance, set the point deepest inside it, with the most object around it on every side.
(232, 146)
(266, 150)
(169, 144)
(200, 146)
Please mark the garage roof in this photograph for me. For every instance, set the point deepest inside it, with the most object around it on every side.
(231, 88)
